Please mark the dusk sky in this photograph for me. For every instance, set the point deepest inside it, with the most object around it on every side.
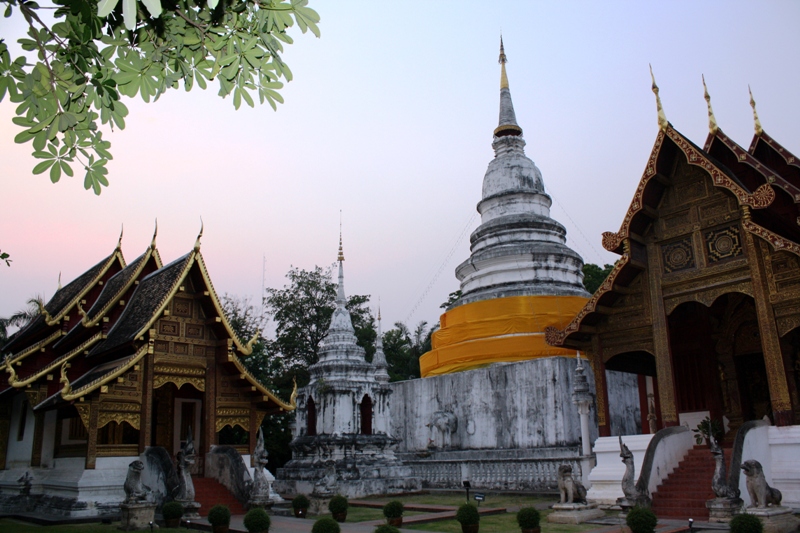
(389, 119)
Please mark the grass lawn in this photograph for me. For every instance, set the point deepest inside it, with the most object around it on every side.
(7, 524)
(365, 514)
(454, 500)
(502, 523)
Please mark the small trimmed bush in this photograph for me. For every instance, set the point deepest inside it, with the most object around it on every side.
(338, 504)
(219, 515)
(468, 515)
(172, 510)
(528, 518)
(326, 525)
(300, 502)
(257, 520)
(641, 520)
(385, 528)
(393, 509)
(746, 523)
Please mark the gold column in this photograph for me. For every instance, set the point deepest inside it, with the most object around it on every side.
(663, 354)
(146, 425)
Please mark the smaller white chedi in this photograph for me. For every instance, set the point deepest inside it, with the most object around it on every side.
(342, 442)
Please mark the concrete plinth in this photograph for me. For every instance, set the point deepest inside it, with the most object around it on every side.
(776, 519)
(260, 501)
(574, 513)
(721, 510)
(137, 516)
(191, 510)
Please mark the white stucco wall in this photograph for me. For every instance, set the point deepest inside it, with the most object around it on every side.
(19, 451)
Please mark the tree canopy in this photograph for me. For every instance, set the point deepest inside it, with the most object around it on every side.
(89, 54)
(404, 348)
(594, 276)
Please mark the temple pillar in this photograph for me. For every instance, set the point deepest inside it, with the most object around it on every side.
(251, 441)
(599, 369)
(757, 253)
(5, 431)
(661, 347)
(210, 425)
(146, 423)
(91, 443)
(35, 397)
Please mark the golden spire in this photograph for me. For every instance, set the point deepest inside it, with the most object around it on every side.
(197, 242)
(758, 128)
(121, 230)
(155, 233)
(662, 118)
(712, 121)
(341, 252)
(503, 61)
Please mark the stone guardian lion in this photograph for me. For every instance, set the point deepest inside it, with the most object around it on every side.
(571, 490)
(761, 494)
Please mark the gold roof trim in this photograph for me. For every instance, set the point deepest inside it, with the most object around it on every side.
(68, 394)
(291, 406)
(14, 382)
(115, 299)
(712, 120)
(36, 347)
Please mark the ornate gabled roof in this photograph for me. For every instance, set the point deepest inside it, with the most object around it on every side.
(63, 301)
(776, 157)
(53, 365)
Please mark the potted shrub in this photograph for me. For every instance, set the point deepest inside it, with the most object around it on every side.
(386, 528)
(220, 518)
(338, 508)
(528, 519)
(641, 520)
(172, 513)
(393, 511)
(326, 525)
(257, 520)
(746, 523)
(300, 505)
(469, 518)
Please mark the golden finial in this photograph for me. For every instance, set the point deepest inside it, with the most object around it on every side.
(81, 312)
(662, 118)
(121, 230)
(67, 388)
(253, 341)
(341, 252)
(503, 60)
(197, 242)
(758, 128)
(712, 121)
(155, 233)
(12, 375)
(293, 397)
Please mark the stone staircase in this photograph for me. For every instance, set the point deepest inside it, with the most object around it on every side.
(684, 493)
(210, 492)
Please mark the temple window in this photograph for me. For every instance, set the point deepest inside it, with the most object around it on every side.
(311, 417)
(366, 415)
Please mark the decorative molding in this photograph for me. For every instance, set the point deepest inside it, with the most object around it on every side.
(777, 242)
(106, 417)
(707, 297)
(84, 410)
(160, 380)
(677, 255)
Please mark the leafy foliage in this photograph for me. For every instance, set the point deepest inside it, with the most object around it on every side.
(326, 525)
(300, 502)
(641, 520)
(468, 515)
(403, 349)
(451, 299)
(594, 276)
(96, 52)
(172, 510)
(706, 429)
(393, 509)
(21, 318)
(5, 257)
(746, 523)
(528, 518)
(338, 504)
(257, 520)
(386, 528)
(219, 515)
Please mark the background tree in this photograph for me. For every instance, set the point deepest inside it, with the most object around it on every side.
(451, 299)
(21, 318)
(95, 51)
(404, 348)
(594, 276)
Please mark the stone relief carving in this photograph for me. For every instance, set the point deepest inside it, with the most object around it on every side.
(571, 490)
(719, 483)
(442, 425)
(761, 494)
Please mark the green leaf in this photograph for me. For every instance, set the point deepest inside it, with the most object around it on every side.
(55, 173)
(66, 168)
(44, 165)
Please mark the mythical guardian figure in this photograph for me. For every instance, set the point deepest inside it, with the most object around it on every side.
(719, 483)
(259, 495)
(442, 425)
(761, 494)
(185, 459)
(629, 479)
(135, 490)
(571, 489)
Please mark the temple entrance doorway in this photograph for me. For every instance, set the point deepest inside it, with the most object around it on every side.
(633, 375)
(175, 411)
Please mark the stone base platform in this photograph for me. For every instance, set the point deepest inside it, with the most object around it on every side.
(776, 519)
(722, 510)
(137, 516)
(191, 510)
(574, 513)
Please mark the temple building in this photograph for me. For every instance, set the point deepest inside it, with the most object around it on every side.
(521, 277)
(342, 441)
(125, 358)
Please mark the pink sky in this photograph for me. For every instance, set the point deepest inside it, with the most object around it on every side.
(389, 119)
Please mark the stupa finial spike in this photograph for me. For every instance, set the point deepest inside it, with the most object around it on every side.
(712, 121)
(503, 60)
(662, 118)
(199, 235)
(341, 252)
(757, 125)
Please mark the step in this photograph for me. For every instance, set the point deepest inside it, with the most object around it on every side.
(209, 492)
